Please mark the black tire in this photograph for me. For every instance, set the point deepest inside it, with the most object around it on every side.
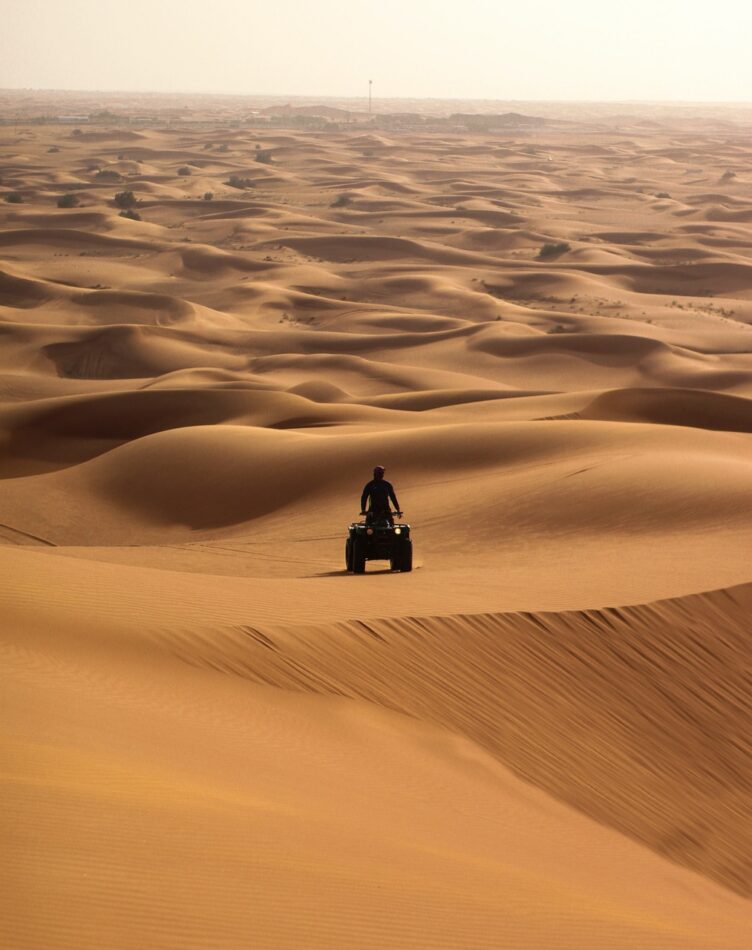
(406, 561)
(349, 554)
(358, 556)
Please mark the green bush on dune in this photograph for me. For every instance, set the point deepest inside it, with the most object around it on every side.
(14, 198)
(125, 199)
(130, 214)
(108, 174)
(551, 249)
(68, 201)
(236, 181)
(184, 170)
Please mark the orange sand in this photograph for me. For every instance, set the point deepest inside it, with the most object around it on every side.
(215, 737)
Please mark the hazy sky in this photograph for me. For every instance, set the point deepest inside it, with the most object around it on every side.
(523, 49)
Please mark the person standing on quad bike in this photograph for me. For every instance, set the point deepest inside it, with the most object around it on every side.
(380, 492)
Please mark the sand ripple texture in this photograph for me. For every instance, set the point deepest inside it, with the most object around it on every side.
(218, 738)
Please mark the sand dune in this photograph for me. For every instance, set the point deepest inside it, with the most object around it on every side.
(217, 737)
(701, 410)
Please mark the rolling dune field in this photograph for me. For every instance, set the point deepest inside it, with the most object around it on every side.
(216, 736)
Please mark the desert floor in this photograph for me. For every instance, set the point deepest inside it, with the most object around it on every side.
(214, 735)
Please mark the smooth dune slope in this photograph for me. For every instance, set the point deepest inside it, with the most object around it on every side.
(284, 817)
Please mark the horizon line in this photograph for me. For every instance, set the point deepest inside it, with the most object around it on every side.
(364, 96)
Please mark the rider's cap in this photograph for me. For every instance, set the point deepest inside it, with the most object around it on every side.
(379, 470)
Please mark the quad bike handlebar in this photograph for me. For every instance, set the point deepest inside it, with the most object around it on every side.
(396, 514)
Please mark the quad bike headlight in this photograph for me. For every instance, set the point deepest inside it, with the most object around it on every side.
(398, 530)
(369, 530)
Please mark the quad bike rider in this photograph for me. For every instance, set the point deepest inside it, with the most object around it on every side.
(377, 538)
(380, 492)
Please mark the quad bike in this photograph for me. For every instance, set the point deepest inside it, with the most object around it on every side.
(377, 538)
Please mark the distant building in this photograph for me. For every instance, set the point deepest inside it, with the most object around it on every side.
(73, 119)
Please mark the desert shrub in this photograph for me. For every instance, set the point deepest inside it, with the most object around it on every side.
(184, 170)
(341, 201)
(14, 198)
(264, 156)
(125, 199)
(551, 249)
(108, 174)
(53, 148)
(121, 156)
(68, 201)
(236, 181)
(727, 176)
(77, 132)
(208, 195)
(663, 194)
(224, 147)
(130, 214)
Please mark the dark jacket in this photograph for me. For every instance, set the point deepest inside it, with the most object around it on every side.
(379, 491)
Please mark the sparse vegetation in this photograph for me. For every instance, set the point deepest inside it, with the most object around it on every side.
(663, 194)
(130, 214)
(342, 201)
(184, 170)
(727, 176)
(237, 181)
(208, 196)
(224, 147)
(108, 174)
(264, 156)
(125, 199)
(53, 148)
(68, 201)
(553, 249)
(13, 198)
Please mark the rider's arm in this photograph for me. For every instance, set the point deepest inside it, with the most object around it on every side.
(364, 497)
(394, 498)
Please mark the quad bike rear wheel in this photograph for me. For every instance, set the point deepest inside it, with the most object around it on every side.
(358, 556)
